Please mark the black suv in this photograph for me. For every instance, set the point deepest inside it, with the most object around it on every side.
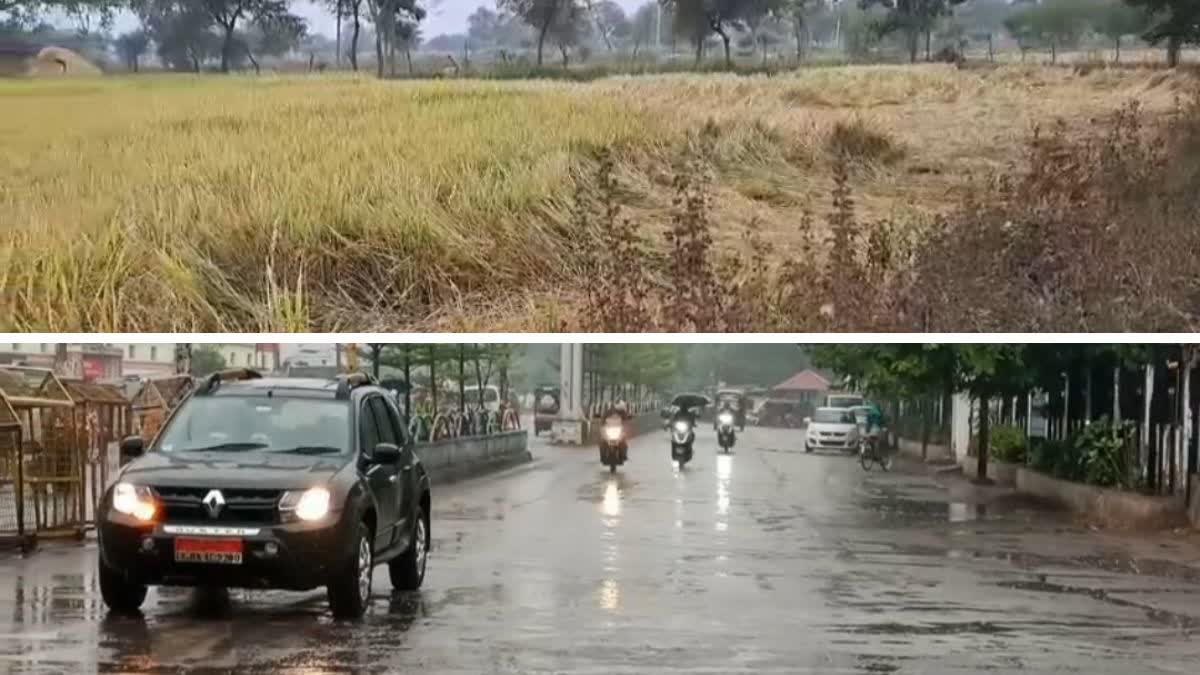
(260, 482)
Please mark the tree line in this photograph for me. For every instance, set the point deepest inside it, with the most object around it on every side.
(1082, 382)
(188, 34)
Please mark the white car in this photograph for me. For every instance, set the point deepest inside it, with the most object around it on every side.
(831, 429)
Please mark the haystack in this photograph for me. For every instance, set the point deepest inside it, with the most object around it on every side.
(29, 60)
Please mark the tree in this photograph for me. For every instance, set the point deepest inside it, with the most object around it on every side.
(644, 27)
(227, 14)
(1116, 19)
(699, 18)
(610, 20)
(912, 18)
(131, 46)
(543, 16)
(354, 7)
(1023, 29)
(1059, 23)
(798, 13)
(1176, 22)
(182, 31)
(206, 360)
(395, 20)
(981, 20)
(569, 29)
(272, 37)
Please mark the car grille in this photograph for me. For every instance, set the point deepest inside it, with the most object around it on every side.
(184, 504)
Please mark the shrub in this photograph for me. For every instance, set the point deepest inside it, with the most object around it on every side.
(1099, 448)
(1008, 444)
(858, 141)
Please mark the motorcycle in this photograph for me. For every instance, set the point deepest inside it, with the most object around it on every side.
(614, 447)
(725, 433)
(682, 437)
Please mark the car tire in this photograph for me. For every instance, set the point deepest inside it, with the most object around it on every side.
(347, 597)
(118, 593)
(807, 448)
(407, 572)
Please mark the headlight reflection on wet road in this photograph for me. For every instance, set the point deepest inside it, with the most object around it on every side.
(724, 474)
(609, 593)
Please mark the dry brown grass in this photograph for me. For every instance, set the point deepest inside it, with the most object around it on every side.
(335, 203)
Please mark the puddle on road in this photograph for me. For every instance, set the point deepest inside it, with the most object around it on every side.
(961, 512)
(927, 628)
(1183, 622)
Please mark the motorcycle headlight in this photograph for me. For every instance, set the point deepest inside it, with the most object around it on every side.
(613, 433)
(726, 418)
(681, 427)
(134, 500)
(309, 505)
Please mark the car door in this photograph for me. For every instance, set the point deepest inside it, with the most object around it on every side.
(389, 432)
(407, 497)
(381, 478)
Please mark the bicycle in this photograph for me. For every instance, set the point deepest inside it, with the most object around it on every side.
(869, 454)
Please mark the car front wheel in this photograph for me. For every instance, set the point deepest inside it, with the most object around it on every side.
(408, 571)
(119, 593)
(350, 592)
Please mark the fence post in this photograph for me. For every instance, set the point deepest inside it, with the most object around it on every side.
(19, 487)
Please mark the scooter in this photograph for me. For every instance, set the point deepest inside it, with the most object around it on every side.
(614, 447)
(682, 437)
(725, 434)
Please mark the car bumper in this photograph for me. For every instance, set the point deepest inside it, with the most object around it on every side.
(306, 555)
(831, 443)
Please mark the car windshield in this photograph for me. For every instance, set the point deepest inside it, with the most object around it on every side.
(260, 423)
(834, 417)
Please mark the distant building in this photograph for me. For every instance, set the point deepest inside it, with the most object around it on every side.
(148, 361)
(85, 362)
(806, 387)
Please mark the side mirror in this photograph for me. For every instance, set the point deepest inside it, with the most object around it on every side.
(133, 446)
(386, 453)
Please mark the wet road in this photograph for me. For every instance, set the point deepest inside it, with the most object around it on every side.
(764, 561)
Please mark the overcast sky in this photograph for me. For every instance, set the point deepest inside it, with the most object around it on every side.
(448, 16)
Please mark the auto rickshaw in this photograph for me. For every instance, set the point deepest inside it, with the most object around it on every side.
(546, 402)
(781, 413)
(738, 402)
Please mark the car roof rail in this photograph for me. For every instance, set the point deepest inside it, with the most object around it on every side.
(213, 382)
(350, 381)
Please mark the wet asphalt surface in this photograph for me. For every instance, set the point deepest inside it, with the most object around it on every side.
(764, 561)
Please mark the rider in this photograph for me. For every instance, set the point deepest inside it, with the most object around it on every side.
(875, 420)
(684, 413)
(726, 407)
(620, 409)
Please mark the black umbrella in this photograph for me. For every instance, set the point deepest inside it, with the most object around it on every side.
(690, 400)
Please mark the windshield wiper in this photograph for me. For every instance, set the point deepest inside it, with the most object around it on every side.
(230, 447)
(312, 450)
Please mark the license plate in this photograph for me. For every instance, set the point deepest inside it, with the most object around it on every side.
(211, 551)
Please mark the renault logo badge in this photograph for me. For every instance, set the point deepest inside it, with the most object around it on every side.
(214, 501)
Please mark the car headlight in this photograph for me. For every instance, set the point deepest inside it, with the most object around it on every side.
(309, 505)
(613, 433)
(134, 500)
(681, 427)
(726, 418)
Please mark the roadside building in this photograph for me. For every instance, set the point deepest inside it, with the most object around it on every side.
(807, 388)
